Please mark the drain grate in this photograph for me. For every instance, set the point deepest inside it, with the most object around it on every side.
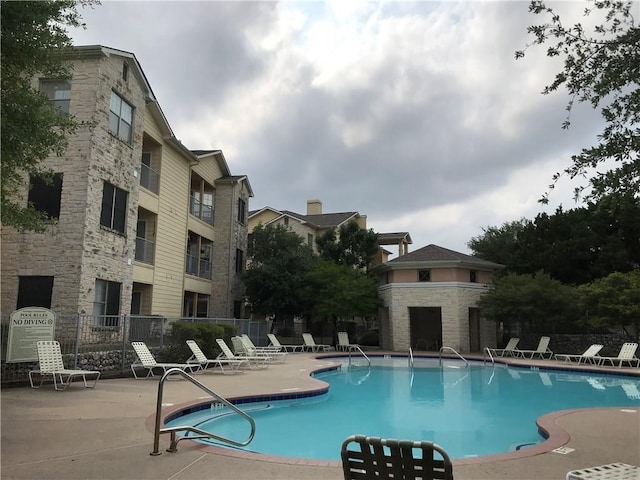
(563, 450)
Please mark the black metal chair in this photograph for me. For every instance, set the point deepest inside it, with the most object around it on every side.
(371, 458)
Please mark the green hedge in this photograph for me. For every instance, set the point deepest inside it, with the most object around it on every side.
(203, 333)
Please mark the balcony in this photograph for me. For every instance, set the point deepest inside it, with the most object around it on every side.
(145, 250)
(201, 211)
(149, 179)
(198, 267)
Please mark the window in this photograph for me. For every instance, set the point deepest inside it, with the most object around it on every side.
(45, 194)
(286, 221)
(196, 305)
(473, 276)
(242, 211)
(237, 309)
(106, 303)
(125, 71)
(199, 255)
(114, 208)
(424, 275)
(239, 261)
(310, 239)
(34, 291)
(120, 118)
(58, 92)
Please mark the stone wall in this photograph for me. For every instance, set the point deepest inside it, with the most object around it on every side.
(576, 343)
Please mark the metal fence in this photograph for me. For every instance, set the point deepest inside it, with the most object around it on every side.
(104, 342)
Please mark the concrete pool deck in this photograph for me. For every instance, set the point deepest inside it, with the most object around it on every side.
(107, 433)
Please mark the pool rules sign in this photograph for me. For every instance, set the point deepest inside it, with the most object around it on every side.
(26, 327)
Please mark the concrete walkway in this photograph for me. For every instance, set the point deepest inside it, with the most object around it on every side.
(107, 433)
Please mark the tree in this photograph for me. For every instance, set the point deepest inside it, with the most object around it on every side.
(279, 261)
(499, 244)
(603, 69)
(352, 246)
(614, 301)
(34, 41)
(335, 291)
(535, 302)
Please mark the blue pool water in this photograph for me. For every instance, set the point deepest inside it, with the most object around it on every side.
(470, 411)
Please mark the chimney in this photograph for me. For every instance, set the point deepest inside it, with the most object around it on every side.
(314, 207)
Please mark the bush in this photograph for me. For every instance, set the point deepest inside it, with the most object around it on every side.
(205, 335)
(369, 339)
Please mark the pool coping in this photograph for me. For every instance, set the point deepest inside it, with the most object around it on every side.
(547, 424)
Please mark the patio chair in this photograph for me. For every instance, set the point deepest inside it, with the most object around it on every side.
(233, 366)
(252, 361)
(365, 458)
(508, 350)
(311, 346)
(344, 344)
(590, 355)
(542, 350)
(50, 363)
(146, 361)
(274, 352)
(627, 354)
(612, 471)
(273, 340)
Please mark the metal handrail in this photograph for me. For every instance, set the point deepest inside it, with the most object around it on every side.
(410, 358)
(353, 348)
(486, 351)
(452, 350)
(173, 446)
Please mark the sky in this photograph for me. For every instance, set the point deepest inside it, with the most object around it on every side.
(415, 114)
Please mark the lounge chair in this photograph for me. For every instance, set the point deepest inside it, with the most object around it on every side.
(276, 355)
(50, 363)
(611, 471)
(311, 346)
(542, 350)
(147, 361)
(371, 457)
(344, 344)
(232, 366)
(508, 350)
(252, 361)
(627, 354)
(287, 348)
(242, 350)
(590, 355)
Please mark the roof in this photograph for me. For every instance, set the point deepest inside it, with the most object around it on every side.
(323, 220)
(393, 238)
(435, 256)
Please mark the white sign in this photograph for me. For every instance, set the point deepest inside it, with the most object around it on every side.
(26, 327)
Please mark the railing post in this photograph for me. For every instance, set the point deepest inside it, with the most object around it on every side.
(76, 347)
(124, 343)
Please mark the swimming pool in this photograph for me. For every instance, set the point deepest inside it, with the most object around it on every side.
(471, 412)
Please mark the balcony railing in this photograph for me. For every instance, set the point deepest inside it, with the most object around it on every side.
(145, 250)
(201, 211)
(149, 179)
(199, 267)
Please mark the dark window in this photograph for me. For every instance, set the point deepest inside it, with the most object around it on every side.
(120, 117)
(239, 260)
(106, 303)
(125, 71)
(58, 92)
(242, 211)
(34, 291)
(473, 276)
(114, 208)
(237, 309)
(286, 221)
(45, 194)
(424, 275)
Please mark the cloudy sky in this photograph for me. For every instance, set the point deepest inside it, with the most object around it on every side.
(415, 114)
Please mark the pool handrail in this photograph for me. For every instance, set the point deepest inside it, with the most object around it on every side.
(353, 348)
(410, 358)
(454, 351)
(173, 446)
(486, 351)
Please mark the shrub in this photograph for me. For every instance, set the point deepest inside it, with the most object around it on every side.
(203, 333)
(369, 338)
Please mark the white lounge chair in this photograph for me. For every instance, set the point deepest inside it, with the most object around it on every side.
(287, 348)
(147, 362)
(590, 355)
(274, 352)
(344, 344)
(311, 346)
(233, 366)
(627, 354)
(50, 363)
(542, 350)
(252, 361)
(508, 350)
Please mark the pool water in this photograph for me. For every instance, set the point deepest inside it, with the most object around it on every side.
(469, 411)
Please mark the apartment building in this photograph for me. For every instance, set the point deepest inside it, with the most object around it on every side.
(139, 224)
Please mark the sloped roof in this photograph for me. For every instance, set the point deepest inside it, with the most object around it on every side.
(435, 256)
(392, 238)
